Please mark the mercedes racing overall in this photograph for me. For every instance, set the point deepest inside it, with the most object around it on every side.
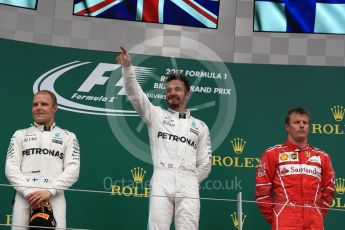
(181, 155)
(40, 158)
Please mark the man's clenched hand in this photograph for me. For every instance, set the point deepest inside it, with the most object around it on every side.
(37, 199)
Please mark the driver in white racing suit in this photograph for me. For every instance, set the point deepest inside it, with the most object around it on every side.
(180, 147)
(42, 161)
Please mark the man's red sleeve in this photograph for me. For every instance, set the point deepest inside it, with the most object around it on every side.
(264, 184)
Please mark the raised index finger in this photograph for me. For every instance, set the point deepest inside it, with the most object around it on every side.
(123, 50)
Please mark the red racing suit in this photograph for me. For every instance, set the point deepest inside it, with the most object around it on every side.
(299, 181)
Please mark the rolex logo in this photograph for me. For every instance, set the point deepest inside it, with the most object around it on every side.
(238, 145)
(235, 220)
(138, 174)
(340, 185)
(338, 112)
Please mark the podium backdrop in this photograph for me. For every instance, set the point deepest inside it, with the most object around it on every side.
(244, 106)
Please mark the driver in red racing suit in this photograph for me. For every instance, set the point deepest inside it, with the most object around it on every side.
(295, 182)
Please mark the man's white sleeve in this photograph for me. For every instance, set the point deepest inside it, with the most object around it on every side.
(137, 96)
(13, 166)
(204, 155)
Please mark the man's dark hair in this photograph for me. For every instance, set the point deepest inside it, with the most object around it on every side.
(177, 76)
(52, 95)
(298, 110)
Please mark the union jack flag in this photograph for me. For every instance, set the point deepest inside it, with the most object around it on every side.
(197, 13)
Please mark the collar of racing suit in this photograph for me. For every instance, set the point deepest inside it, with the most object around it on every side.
(177, 114)
(296, 147)
(44, 127)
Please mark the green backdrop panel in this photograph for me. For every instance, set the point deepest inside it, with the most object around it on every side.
(244, 106)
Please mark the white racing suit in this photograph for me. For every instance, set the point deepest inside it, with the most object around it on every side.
(181, 155)
(40, 160)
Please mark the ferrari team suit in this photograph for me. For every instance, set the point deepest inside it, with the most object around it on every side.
(42, 158)
(181, 155)
(294, 186)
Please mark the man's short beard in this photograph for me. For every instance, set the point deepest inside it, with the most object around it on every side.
(173, 106)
